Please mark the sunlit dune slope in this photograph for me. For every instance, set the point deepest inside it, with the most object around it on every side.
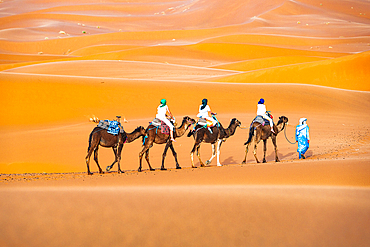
(203, 54)
(241, 36)
(35, 99)
(121, 69)
(349, 72)
(299, 42)
(105, 48)
(269, 62)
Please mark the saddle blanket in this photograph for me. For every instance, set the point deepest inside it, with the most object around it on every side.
(162, 125)
(261, 120)
(204, 122)
(112, 127)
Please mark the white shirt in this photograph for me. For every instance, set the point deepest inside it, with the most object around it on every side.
(203, 113)
(161, 112)
(261, 109)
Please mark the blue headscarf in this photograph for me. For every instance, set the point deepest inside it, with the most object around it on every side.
(261, 101)
(204, 103)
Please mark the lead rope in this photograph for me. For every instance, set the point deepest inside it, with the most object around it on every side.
(287, 137)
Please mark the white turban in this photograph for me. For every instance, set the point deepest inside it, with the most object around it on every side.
(302, 120)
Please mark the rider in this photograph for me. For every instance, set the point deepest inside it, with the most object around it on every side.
(205, 112)
(302, 136)
(261, 111)
(162, 112)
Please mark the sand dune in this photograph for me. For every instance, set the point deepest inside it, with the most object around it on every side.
(62, 63)
(329, 73)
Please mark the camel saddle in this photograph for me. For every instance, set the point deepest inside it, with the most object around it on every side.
(261, 120)
(165, 129)
(204, 122)
(112, 127)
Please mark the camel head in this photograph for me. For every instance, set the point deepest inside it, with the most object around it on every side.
(282, 120)
(141, 130)
(235, 122)
(188, 120)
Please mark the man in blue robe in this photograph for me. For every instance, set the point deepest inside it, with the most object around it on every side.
(302, 136)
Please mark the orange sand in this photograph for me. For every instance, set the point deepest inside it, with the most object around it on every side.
(64, 63)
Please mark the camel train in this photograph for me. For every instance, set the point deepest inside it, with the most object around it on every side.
(158, 132)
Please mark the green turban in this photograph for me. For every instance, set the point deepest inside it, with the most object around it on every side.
(163, 102)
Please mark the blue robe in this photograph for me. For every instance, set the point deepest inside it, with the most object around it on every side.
(302, 136)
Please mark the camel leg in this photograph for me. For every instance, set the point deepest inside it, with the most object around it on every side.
(198, 154)
(164, 155)
(255, 151)
(264, 150)
(88, 161)
(147, 160)
(93, 146)
(213, 154)
(96, 159)
(192, 154)
(218, 152)
(115, 159)
(175, 155)
(146, 147)
(192, 159)
(246, 152)
(276, 150)
(119, 158)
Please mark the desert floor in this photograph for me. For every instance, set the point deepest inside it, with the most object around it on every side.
(63, 64)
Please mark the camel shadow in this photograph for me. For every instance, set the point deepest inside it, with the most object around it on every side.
(230, 161)
(271, 157)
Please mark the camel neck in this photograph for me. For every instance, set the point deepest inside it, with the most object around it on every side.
(180, 131)
(133, 136)
(280, 126)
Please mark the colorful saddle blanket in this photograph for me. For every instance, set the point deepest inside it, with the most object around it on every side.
(165, 129)
(112, 127)
(204, 122)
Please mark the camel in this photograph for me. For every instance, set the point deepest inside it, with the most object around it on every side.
(153, 135)
(101, 137)
(259, 133)
(218, 135)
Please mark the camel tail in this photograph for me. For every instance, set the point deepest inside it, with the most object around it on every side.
(251, 133)
(96, 129)
(90, 138)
